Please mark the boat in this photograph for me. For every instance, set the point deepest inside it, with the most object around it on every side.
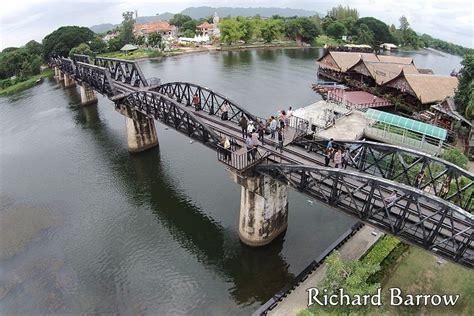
(39, 80)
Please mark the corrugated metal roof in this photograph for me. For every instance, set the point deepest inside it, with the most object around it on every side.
(408, 124)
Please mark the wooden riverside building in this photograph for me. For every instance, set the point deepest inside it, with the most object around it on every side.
(398, 76)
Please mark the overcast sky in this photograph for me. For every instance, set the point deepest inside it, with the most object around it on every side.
(23, 20)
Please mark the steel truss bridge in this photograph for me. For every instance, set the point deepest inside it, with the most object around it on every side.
(434, 198)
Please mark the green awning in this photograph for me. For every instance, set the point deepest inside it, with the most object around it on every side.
(408, 124)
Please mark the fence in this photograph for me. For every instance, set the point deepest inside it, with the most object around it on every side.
(341, 100)
(239, 159)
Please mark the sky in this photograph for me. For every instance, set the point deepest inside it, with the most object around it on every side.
(23, 20)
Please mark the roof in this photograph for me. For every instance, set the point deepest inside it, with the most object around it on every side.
(430, 88)
(157, 26)
(388, 45)
(384, 71)
(129, 47)
(449, 108)
(395, 59)
(205, 25)
(406, 123)
(425, 71)
(345, 60)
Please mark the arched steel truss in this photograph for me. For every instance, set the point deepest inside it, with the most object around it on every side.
(168, 111)
(125, 71)
(441, 227)
(414, 168)
(211, 102)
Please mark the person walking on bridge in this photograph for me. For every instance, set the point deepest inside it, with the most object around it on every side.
(225, 111)
(338, 159)
(196, 102)
(243, 125)
(273, 127)
(261, 130)
(281, 139)
(249, 147)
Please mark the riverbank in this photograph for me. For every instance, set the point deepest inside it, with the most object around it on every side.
(142, 54)
(28, 83)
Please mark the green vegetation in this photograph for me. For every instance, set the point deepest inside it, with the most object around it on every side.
(361, 276)
(136, 54)
(464, 97)
(61, 41)
(456, 157)
(417, 271)
(18, 86)
(322, 40)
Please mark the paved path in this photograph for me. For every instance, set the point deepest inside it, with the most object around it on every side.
(297, 300)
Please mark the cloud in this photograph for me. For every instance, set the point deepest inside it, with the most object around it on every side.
(21, 21)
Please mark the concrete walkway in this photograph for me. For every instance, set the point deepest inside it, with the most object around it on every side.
(297, 300)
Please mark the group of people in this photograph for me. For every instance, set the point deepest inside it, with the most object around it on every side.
(339, 156)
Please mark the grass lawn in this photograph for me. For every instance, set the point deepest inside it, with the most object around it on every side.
(419, 272)
(136, 54)
(20, 86)
(321, 40)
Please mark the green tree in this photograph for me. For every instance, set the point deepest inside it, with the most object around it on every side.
(336, 30)
(178, 20)
(81, 49)
(139, 40)
(464, 95)
(98, 45)
(326, 22)
(364, 35)
(64, 38)
(126, 28)
(271, 29)
(154, 39)
(230, 31)
(379, 28)
(404, 28)
(188, 27)
(340, 12)
(34, 48)
(456, 157)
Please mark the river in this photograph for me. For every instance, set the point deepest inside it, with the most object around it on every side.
(88, 228)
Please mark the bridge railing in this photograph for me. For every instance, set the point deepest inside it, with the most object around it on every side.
(240, 159)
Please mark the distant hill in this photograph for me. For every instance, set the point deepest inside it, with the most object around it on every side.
(204, 12)
(102, 28)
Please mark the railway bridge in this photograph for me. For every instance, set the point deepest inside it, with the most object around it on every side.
(380, 187)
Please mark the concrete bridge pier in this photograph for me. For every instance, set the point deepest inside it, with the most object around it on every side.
(68, 81)
(60, 75)
(141, 131)
(263, 209)
(88, 95)
(56, 72)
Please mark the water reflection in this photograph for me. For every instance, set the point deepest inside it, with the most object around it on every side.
(147, 183)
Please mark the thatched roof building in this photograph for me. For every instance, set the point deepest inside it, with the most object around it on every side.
(426, 88)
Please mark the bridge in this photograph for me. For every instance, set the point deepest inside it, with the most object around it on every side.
(381, 185)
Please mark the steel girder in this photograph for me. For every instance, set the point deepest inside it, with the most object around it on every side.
(96, 77)
(81, 58)
(67, 65)
(211, 102)
(416, 217)
(414, 168)
(124, 71)
(171, 113)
